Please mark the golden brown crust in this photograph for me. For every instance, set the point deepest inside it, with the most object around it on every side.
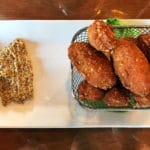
(108, 55)
(143, 42)
(16, 74)
(132, 67)
(131, 39)
(88, 92)
(101, 37)
(117, 97)
(142, 101)
(93, 65)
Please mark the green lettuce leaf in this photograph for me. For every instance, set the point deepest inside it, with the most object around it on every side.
(90, 103)
(126, 32)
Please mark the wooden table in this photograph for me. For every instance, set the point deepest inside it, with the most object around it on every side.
(73, 9)
(74, 139)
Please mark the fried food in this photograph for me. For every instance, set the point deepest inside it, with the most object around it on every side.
(108, 55)
(142, 101)
(143, 42)
(16, 74)
(132, 67)
(131, 39)
(88, 92)
(101, 37)
(117, 96)
(92, 65)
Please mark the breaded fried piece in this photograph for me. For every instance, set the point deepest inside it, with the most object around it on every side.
(108, 55)
(132, 67)
(88, 92)
(92, 65)
(142, 101)
(101, 37)
(131, 39)
(117, 96)
(16, 74)
(143, 42)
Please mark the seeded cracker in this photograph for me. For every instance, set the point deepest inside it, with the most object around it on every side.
(16, 74)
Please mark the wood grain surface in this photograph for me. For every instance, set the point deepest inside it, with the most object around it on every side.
(74, 139)
(73, 9)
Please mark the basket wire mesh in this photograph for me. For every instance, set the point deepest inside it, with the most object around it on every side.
(81, 36)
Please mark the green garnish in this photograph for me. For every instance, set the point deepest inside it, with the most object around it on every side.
(102, 104)
(126, 32)
(131, 102)
(97, 104)
(114, 21)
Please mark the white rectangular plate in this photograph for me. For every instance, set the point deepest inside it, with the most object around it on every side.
(53, 105)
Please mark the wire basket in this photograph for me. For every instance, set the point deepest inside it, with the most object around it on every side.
(81, 36)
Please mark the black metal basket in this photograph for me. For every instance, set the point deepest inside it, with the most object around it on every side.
(81, 36)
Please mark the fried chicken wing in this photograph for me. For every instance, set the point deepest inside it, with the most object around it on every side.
(143, 42)
(142, 101)
(131, 39)
(92, 65)
(88, 92)
(101, 37)
(132, 67)
(117, 96)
